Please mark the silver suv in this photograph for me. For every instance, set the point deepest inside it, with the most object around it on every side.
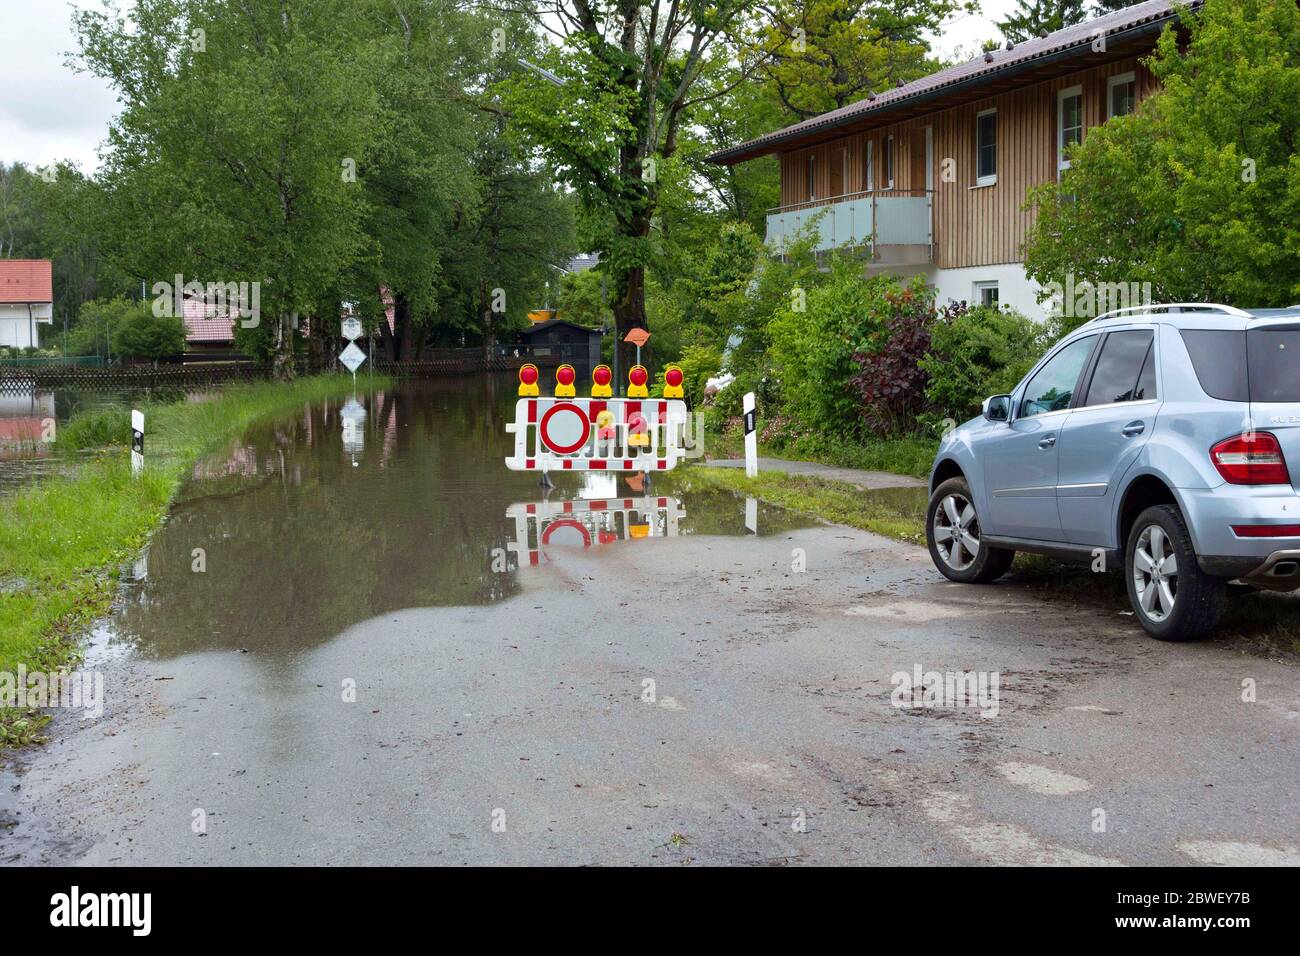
(1152, 439)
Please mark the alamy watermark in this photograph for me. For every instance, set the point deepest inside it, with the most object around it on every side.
(1088, 299)
(242, 300)
(72, 690)
(977, 690)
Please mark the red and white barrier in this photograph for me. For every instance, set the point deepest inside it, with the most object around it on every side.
(585, 524)
(572, 434)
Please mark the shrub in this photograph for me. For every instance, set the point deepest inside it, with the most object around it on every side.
(144, 335)
(890, 383)
(814, 337)
(976, 353)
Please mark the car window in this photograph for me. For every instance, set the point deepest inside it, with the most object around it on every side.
(1274, 359)
(1052, 388)
(1219, 359)
(1146, 386)
(1118, 365)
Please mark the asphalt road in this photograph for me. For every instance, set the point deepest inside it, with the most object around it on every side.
(524, 732)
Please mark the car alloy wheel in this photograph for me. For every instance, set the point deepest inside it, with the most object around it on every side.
(957, 532)
(1155, 573)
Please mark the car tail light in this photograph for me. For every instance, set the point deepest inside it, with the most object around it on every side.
(1254, 458)
(1266, 530)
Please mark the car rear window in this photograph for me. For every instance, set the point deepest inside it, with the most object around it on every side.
(1219, 358)
(1274, 359)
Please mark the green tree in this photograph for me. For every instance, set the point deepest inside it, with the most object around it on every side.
(824, 54)
(625, 75)
(1198, 192)
(1032, 17)
(143, 335)
(241, 123)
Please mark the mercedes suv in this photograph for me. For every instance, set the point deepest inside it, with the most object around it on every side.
(1153, 440)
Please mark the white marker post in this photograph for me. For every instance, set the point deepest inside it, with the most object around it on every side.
(751, 436)
(137, 442)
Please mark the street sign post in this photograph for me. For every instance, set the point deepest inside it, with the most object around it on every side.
(352, 357)
(751, 438)
(137, 442)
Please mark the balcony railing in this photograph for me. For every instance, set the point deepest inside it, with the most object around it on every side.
(895, 224)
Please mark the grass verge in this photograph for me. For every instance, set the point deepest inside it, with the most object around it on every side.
(63, 540)
(897, 513)
(901, 456)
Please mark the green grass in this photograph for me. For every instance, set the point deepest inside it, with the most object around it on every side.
(902, 456)
(897, 513)
(63, 540)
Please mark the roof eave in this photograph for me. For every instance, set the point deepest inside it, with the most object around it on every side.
(748, 151)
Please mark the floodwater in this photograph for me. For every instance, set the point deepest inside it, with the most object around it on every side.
(401, 499)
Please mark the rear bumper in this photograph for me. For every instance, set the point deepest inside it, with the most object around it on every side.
(1278, 571)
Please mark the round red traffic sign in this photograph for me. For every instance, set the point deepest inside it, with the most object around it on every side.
(566, 527)
(564, 428)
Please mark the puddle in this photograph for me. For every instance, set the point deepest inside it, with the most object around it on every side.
(343, 512)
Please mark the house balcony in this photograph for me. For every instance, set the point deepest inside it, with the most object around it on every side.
(894, 226)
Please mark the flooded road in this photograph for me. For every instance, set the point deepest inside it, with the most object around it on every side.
(365, 641)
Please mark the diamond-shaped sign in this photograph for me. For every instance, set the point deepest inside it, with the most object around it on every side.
(352, 357)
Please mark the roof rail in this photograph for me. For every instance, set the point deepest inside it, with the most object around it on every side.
(1177, 307)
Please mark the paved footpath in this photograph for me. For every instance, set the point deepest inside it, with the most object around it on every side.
(867, 480)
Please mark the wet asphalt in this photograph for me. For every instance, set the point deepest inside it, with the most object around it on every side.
(687, 700)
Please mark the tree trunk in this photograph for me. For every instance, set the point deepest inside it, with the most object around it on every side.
(405, 328)
(282, 361)
(629, 313)
(489, 331)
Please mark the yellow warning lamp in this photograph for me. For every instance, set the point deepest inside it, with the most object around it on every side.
(602, 382)
(528, 381)
(637, 377)
(673, 379)
(565, 376)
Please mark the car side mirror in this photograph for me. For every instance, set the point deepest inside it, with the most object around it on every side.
(997, 408)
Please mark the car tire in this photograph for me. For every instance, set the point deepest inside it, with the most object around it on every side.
(969, 559)
(1160, 567)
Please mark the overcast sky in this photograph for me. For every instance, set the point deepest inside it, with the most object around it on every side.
(50, 113)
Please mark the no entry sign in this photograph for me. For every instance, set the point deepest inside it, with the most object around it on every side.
(564, 428)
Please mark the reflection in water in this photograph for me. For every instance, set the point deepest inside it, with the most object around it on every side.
(541, 525)
(280, 542)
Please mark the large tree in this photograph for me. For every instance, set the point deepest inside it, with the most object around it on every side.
(1032, 17)
(824, 54)
(624, 76)
(1198, 192)
(230, 159)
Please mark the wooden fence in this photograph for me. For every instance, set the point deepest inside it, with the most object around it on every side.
(44, 378)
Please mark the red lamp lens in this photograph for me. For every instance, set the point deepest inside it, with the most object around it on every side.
(637, 376)
(565, 375)
(528, 375)
(673, 377)
(601, 375)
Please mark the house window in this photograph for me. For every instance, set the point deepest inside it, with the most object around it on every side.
(985, 293)
(1121, 95)
(871, 169)
(811, 164)
(887, 164)
(1069, 124)
(986, 148)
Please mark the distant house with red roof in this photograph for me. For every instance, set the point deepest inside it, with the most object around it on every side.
(208, 327)
(26, 299)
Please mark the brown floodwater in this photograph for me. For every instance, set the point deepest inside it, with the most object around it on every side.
(320, 520)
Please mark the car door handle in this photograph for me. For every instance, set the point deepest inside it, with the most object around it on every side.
(1133, 429)
(1047, 442)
